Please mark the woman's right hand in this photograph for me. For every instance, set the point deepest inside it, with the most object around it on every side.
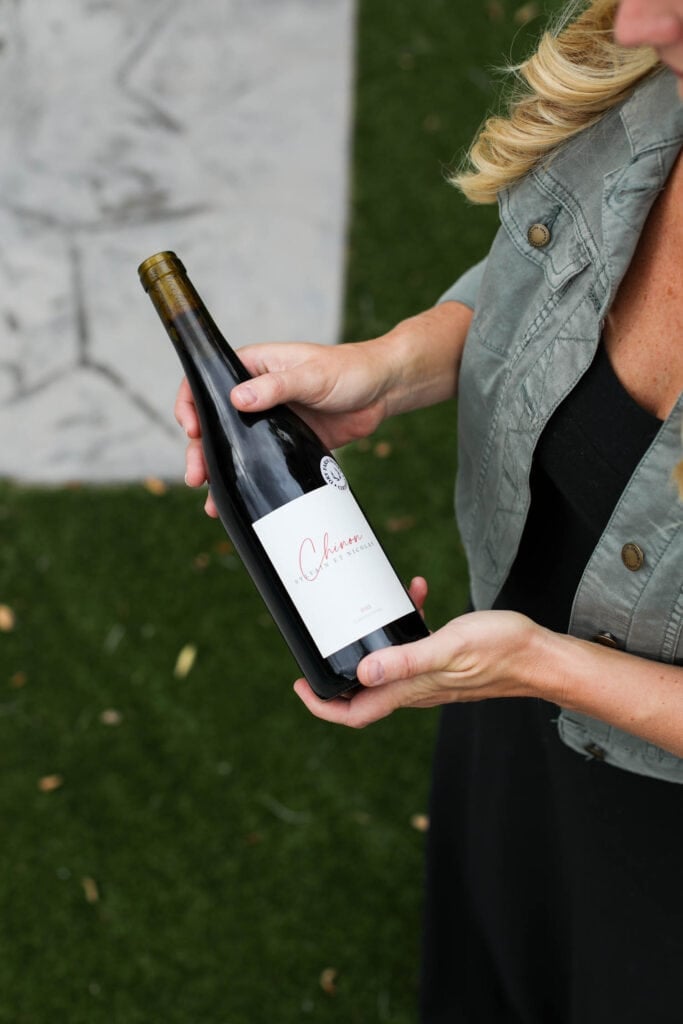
(340, 391)
(345, 391)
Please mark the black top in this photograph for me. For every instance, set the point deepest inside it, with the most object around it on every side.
(583, 461)
(554, 890)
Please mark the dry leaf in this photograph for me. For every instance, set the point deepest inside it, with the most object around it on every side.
(201, 561)
(364, 445)
(328, 981)
(110, 716)
(114, 637)
(382, 449)
(90, 890)
(420, 822)
(494, 10)
(49, 783)
(7, 619)
(526, 13)
(224, 547)
(18, 680)
(155, 486)
(185, 661)
(398, 524)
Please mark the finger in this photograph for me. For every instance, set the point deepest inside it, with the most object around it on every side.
(305, 384)
(361, 710)
(407, 661)
(185, 411)
(418, 591)
(210, 507)
(195, 466)
(269, 390)
(196, 474)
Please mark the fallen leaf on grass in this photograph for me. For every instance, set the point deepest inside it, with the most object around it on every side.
(90, 890)
(49, 783)
(328, 981)
(18, 680)
(494, 10)
(155, 486)
(7, 619)
(382, 449)
(398, 524)
(114, 637)
(420, 822)
(224, 547)
(110, 716)
(284, 813)
(526, 13)
(185, 661)
(253, 838)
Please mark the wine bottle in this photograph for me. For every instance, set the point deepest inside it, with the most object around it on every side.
(286, 505)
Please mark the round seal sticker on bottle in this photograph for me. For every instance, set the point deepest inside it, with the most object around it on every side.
(332, 474)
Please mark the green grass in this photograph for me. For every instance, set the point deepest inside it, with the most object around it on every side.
(235, 847)
(238, 846)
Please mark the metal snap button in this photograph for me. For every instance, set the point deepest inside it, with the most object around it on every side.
(632, 556)
(538, 235)
(595, 751)
(606, 639)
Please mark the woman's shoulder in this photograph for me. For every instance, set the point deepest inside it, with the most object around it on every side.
(653, 114)
(606, 175)
(649, 120)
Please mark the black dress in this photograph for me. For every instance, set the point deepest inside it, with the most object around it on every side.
(554, 883)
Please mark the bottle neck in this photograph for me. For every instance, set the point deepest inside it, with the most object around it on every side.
(187, 320)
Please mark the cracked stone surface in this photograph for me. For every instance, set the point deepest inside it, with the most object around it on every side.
(217, 129)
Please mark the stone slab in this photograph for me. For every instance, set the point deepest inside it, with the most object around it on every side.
(219, 129)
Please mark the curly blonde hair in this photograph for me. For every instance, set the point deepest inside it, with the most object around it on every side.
(575, 75)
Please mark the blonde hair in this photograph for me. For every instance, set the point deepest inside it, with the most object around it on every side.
(575, 75)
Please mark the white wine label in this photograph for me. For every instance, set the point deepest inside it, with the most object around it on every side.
(332, 566)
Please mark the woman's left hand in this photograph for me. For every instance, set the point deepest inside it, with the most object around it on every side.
(476, 656)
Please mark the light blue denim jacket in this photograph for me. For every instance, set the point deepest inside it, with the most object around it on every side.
(539, 314)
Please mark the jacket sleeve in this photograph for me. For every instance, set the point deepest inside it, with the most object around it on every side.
(466, 288)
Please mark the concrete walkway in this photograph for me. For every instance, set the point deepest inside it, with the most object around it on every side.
(217, 129)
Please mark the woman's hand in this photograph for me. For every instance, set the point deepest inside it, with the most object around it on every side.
(505, 654)
(473, 657)
(343, 391)
(339, 390)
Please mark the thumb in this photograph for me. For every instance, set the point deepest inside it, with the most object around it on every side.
(266, 391)
(421, 657)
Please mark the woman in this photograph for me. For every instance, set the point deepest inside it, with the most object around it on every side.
(553, 867)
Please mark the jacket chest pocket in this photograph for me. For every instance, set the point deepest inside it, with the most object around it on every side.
(537, 253)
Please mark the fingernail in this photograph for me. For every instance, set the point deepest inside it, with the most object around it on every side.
(247, 395)
(375, 672)
(186, 480)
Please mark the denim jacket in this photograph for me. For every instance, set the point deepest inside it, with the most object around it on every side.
(539, 313)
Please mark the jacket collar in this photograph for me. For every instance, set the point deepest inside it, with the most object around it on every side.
(652, 118)
(653, 115)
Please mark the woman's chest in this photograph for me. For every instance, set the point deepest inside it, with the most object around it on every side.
(644, 328)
